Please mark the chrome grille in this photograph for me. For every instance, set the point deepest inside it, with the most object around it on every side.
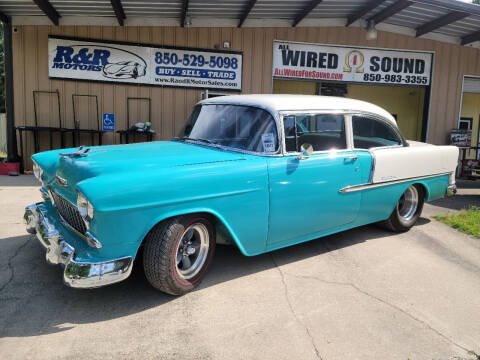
(69, 213)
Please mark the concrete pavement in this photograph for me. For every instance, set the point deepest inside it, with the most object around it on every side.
(361, 294)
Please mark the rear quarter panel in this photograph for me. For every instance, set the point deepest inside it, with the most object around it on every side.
(378, 203)
(418, 159)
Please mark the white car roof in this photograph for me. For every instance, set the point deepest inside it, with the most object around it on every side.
(277, 102)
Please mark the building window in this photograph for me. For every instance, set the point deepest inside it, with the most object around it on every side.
(465, 123)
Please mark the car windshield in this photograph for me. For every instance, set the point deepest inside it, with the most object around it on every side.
(236, 126)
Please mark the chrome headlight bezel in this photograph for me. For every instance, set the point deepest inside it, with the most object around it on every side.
(37, 171)
(85, 207)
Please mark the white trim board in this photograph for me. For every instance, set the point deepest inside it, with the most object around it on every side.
(216, 22)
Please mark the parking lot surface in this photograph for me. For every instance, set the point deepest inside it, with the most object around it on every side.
(360, 294)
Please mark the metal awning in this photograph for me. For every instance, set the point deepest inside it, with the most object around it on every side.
(452, 18)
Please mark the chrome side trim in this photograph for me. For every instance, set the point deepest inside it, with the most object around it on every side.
(93, 241)
(76, 274)
(386, 183)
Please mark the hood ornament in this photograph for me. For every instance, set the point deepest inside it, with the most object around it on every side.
(80, 152)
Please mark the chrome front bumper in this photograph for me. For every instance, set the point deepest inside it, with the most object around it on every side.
(76, 274)
(451, 190)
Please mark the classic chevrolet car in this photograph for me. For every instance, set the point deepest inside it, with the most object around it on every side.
(261, 172)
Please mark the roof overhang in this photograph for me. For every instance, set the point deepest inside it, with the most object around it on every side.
(450, 21)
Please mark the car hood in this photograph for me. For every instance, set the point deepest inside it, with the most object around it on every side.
(141, 157)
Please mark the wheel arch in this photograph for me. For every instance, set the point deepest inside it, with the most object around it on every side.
(425, 189)
(224, 232)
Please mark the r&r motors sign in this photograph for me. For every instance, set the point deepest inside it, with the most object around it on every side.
(120, 62)
(338, 63)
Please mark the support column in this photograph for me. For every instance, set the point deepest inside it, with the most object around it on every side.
(11, 134)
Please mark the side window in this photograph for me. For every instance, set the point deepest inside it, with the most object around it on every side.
(369, 133)
(322, 131)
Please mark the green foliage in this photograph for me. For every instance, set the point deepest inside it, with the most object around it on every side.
(476, 2)
(468, 221)
(471, 352)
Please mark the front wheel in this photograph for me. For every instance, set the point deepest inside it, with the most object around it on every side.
(407, 211)
(178, 252)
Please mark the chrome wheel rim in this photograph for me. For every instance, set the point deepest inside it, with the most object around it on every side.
(192, 250)
(408, 204)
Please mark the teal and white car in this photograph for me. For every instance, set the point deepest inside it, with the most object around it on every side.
(260, 172)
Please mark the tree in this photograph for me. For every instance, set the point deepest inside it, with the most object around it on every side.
(476, 2)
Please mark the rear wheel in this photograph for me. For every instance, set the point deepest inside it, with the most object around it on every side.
(407, 211)
(178, 252)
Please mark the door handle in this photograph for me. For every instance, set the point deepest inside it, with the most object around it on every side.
(350, 158)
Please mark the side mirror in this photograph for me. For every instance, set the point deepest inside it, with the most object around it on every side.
(305, 151)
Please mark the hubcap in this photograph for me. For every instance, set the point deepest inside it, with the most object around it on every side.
(192, 250)
(408, 203)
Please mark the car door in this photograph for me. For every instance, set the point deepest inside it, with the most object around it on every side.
(304, 193)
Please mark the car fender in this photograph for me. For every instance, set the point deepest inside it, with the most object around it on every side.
(128, 205)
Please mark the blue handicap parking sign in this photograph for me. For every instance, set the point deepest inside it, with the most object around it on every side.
(108, 121)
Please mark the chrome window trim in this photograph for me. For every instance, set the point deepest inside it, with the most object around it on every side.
(228, 148)
(325, 152)
(368, 186)
(284, 113)
(275, 116)
(348, 114)
(349, 131)
(372, 153)
(395, 129)
(278, 118)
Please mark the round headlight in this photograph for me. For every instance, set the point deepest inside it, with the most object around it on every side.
(85, 208)
(37, 171)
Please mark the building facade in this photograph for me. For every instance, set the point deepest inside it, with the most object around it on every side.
(423, 112)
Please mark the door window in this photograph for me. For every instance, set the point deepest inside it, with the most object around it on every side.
(322, 131)
(369, 133)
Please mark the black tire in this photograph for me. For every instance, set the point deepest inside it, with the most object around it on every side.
(400, 223)
(167, 241)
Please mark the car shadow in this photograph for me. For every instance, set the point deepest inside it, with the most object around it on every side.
(468, 184)
(35, 302)
(457, 202)
(422, 221)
